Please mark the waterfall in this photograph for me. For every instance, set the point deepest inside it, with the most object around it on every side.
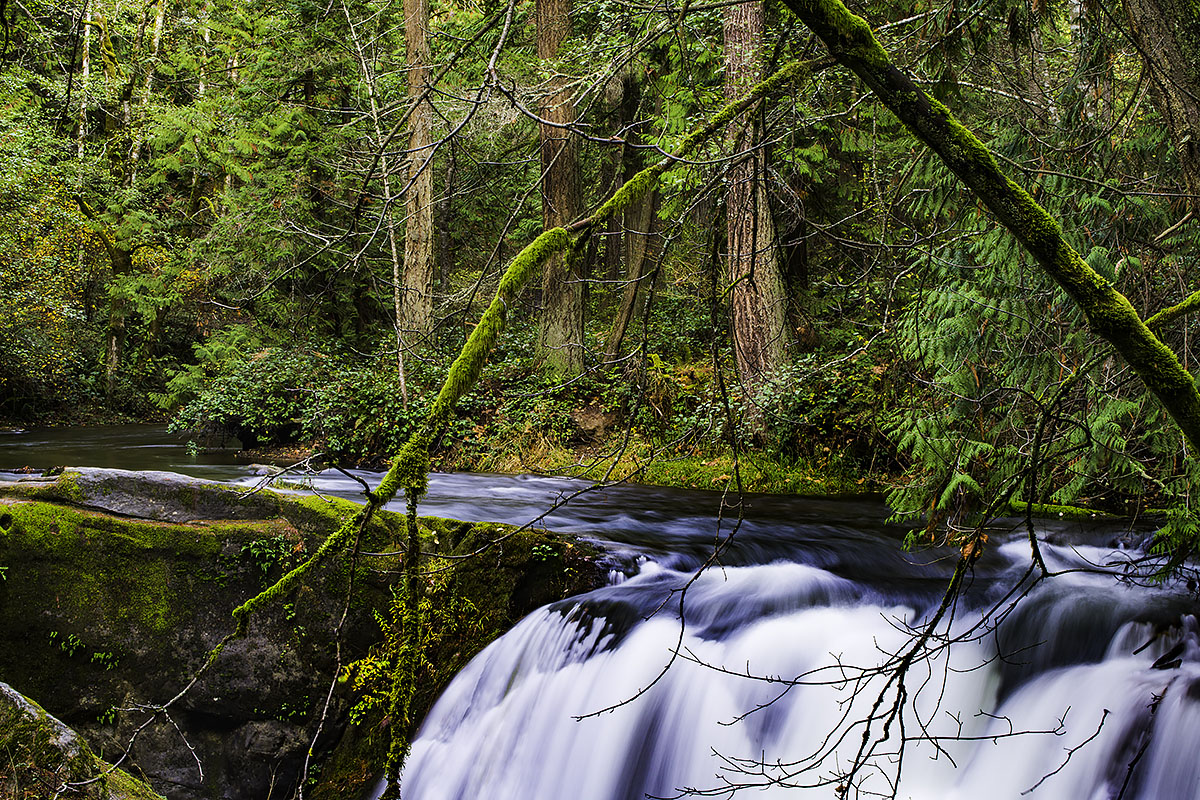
(758, 677)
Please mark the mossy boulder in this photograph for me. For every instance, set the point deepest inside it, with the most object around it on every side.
(41, 757)
(114, 588)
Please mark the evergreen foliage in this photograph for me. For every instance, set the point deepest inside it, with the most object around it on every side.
(210, 200)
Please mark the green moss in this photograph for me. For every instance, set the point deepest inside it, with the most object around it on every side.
(123, 786)
(1048, 511)
(104, 565)
(354, 764)
(38, 753)
(292, 579)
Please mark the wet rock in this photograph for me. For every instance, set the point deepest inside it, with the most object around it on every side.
(39, 756)
(106, 615)
(163, 496)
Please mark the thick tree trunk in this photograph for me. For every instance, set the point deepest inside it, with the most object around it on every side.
(1110, 314)
(417, 307)
(560, 341)
(1168, 36)
(759, 304)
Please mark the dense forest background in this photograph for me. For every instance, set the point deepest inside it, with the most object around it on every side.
(280, 221)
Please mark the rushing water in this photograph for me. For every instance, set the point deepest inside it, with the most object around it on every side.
(1062, 701)
(1081, 686)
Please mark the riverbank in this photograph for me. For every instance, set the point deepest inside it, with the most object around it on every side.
(632, 460)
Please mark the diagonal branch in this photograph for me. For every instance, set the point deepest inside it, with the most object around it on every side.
(1109, 313)
(1190, 304)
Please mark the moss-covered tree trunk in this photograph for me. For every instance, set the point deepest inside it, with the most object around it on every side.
(560, 339)
(1109, 313)
(1168, 37)
(758, 303)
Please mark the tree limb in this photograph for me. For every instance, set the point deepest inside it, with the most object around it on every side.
(1174, 312)
(1110, 314)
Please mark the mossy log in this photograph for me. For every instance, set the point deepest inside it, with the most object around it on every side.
(1110, 314)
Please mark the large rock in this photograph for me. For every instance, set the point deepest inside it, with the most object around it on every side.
(161, 496)
(105, 616)
(41, 757)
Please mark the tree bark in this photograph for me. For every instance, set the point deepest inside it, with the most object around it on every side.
(635, 230)
(758, 300)
(1110, 314)
(417, 306)
(1167, 33)
(560, 340)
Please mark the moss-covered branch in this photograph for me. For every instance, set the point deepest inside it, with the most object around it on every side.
(1110, 314)
(409, 470)
(641, 183)
(101, 229)
(1176, 311)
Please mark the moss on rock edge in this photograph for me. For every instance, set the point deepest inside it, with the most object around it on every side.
(39, 755)
(99, 612)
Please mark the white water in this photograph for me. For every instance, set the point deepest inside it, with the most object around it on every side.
(530, 718)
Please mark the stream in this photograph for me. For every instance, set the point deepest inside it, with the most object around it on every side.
(757, 675)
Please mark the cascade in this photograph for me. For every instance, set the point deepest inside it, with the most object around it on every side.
(757, 675)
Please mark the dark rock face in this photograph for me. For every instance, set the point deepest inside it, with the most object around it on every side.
(105, 617)
(40, 756)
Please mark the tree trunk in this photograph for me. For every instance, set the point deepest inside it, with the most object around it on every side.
(1110, 314)
(1168, 37)
(640, 251)
(560, 342)
(759, 304)
(85, 73)
(114, 339)
(635, 228)
(417, 305)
